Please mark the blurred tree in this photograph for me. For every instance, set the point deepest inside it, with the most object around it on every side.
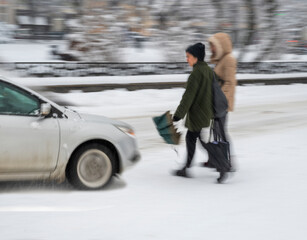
(184, 23)
(97, 35)
(78, 4)
(32, 11)
(108, 25)
(251, 28)
(272, 32)
(219, 18)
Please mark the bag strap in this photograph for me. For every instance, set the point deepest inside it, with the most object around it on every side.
(217, 130)
(213, 131)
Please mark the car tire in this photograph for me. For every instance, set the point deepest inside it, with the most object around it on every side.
(91, 167)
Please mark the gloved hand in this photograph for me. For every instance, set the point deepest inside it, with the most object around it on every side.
(176, 119)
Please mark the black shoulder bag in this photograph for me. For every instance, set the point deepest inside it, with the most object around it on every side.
(218, 149)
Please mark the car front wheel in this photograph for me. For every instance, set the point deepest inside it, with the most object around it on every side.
(91, 167)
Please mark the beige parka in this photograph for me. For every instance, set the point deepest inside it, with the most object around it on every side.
(226, 65)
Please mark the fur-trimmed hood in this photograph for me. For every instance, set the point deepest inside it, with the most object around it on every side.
(223, 45)
(225, 65)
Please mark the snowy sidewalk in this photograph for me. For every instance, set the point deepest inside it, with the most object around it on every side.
(171, 78)
(90, 84)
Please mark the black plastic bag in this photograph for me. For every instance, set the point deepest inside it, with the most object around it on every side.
(218, 149)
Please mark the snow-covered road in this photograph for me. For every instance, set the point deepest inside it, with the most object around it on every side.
(266, 199)
(259, 109)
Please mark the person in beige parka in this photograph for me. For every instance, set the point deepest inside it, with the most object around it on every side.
(225, 68)
(226, 65)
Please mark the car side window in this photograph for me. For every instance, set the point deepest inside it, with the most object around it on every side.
(16, 101)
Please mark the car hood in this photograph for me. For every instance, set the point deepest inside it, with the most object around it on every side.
(102, 119)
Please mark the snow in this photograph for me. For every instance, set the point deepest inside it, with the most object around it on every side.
(39, 51)
(265, 199)
(102, 80)
(294, 57)
(28, 51)
(151, 54)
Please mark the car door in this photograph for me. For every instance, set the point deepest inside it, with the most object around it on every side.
(28, 142)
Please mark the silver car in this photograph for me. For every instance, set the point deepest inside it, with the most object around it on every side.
(42, 140)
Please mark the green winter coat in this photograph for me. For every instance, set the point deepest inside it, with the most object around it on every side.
(196, 101)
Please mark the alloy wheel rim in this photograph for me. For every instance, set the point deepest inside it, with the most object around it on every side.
(94, 168)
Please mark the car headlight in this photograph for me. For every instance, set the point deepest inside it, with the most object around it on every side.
(127, 130)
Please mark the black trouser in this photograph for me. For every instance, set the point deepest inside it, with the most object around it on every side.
(191, 139)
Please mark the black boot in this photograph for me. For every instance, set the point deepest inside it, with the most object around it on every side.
(223, 177)
(181, 173)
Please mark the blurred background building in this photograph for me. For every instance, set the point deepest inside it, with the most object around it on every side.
(38, 19)
(97, 30)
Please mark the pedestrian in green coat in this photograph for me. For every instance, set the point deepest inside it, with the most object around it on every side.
(196, 102)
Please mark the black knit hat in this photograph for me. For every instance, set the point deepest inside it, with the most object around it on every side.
(197, 50)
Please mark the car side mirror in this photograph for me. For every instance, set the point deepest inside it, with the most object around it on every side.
(45, 109)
